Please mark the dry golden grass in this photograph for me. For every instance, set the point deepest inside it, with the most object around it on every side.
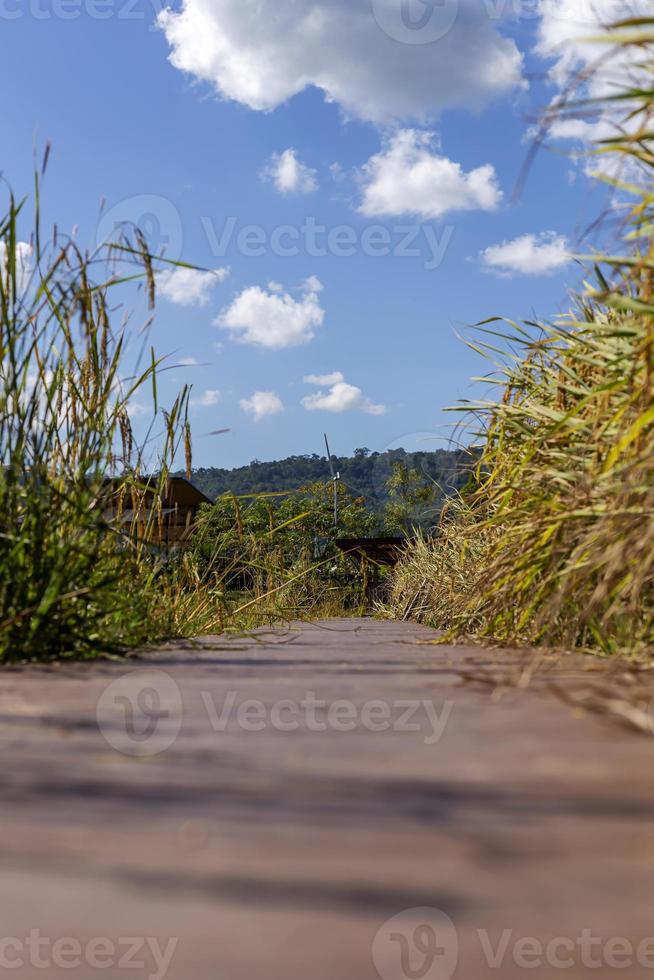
(553, 541)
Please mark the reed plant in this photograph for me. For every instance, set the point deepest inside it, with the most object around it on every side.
(553, 540)
(76, 577)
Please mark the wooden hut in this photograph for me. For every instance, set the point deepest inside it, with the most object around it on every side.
(166, 522)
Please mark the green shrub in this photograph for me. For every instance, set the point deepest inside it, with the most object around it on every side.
(73, 582)
(278, 550)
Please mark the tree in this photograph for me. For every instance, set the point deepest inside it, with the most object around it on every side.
(367, 474)
(413, 502)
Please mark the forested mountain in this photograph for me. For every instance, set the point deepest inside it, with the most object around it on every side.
(366, 474)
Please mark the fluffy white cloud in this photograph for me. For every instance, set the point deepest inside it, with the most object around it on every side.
(189, 287)
(313, 284)
(410, 177)
(208, 398)
(137, 410)
(323, 380)
(261, 404)
(23, 264)
(274, 320)
(290, 175)
(567, 26)
(565, 30)
(341, 397)
(528, 255)
(355, 51)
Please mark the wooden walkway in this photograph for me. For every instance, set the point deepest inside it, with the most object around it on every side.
(337, 801)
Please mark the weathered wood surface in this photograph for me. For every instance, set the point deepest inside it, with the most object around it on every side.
(279, 855)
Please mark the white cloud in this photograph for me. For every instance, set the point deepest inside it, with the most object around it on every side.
(188, 362)
(341, 397)
(261, 54)
(261, 404)
(137, 410)
(274, 320)
(189, 287)
(565, 37)
(528, 255)
(290, 175)
(324, 379)
(208, 398)
(313, 284)
(567, 28)
(579, 129)
(410, 177)
(23, 264)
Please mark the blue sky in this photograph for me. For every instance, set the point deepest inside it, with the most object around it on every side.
(310, 114)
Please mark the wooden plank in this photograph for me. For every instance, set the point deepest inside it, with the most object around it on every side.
(283, 854)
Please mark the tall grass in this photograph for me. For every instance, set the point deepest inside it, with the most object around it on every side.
(553, 540)
(75, 578)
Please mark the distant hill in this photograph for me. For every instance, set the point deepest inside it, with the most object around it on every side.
(365, 473)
